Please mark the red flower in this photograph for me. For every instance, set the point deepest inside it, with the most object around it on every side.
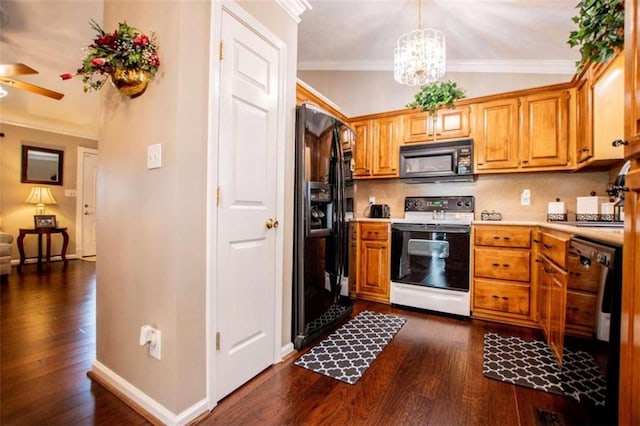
(66, 76)
(141, 40)
(98, 62)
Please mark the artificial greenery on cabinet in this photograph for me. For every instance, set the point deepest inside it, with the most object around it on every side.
(600, 30)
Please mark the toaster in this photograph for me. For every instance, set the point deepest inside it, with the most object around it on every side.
(379, 210)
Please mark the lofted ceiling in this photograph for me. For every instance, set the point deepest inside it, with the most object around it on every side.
(482, 36)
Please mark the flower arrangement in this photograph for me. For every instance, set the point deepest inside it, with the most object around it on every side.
(435, 95)
(127, 48)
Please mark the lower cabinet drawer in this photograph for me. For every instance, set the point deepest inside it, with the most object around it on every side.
(504, 297)
(502, 264)
(581, 309)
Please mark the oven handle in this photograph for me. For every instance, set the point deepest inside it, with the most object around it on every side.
(413, 227)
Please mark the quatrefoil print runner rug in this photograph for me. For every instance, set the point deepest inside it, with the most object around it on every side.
(349, 351)
(532, 364)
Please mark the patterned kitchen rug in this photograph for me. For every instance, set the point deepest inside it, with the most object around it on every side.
(347, 353)
(532, 364)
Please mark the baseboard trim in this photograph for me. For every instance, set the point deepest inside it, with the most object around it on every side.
(16, 262)
(286, 350)
(142, 403)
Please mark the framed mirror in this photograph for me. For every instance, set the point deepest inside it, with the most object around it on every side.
(41, 165)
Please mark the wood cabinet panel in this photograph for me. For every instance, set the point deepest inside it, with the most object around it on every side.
(503, 236)
(495, 133)
(608, 112)
(449, 124)
(373, 275)
(361, 148)
(581, 309)
(544, 130)
(513, 265)
(584, 129)
(552, 304)
(503, 297)
(386, 138)
(555, 247)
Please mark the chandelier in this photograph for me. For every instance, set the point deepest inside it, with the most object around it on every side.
(419, 57)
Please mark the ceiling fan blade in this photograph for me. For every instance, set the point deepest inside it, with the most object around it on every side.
(7, 70)
(31, 88)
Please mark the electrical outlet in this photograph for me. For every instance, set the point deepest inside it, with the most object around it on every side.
(525, 197)
(372, 199)
(70, 193)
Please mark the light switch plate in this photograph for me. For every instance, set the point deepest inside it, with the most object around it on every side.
(154, 156)
(70, 193)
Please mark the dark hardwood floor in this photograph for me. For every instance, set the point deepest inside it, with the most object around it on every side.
(429, 374)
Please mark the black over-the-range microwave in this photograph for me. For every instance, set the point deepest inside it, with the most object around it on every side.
(447, 161)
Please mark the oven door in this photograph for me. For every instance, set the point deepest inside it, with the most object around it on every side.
(431, 255)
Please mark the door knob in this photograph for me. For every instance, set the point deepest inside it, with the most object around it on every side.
(272, 223)
(86, 213)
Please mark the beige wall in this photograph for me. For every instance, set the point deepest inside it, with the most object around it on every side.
(153, 225)
(14, 212)
(369, 92)
(499, 192)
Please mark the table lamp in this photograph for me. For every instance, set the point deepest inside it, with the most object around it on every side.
(40, 196)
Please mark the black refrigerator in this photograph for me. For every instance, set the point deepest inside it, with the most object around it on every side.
(320, 247)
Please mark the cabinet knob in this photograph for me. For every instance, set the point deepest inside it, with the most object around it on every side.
(585, 149)
(547, 246)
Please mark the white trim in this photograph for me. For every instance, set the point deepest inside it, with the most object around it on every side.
(156, 409)
(211, 325)
(526, 66)
(59, 131)
(294, 8)
(319, 95)
(79, 188)
(286, 350)
(58, 258)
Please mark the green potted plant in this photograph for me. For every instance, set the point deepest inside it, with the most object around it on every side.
(436, 95)
(600, 30)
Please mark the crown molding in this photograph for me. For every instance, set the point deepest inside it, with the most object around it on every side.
(294, 8)
(524, 66)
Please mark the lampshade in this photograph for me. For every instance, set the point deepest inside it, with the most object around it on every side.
(40, 196)
(420, 55)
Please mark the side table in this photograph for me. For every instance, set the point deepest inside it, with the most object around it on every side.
(40, 232)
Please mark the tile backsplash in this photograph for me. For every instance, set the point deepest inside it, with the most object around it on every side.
(497, 192)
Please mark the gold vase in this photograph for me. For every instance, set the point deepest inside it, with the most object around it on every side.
(131, 82)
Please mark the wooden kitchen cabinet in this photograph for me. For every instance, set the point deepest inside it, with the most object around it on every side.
(544, 129)
(376, 148)
(524, 132)
(552, 277)
(552, 302)
(495, 134)
(502, 286)
(582, 297)
(600, 107)
(449, 124)
(373, 279)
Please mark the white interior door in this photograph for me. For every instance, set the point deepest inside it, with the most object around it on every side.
(87, 187)
(247, 179)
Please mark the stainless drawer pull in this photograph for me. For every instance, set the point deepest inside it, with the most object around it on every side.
(506, 238)
(496, 264)
(506, 265)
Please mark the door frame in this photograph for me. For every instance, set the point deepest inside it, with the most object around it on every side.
(213, 145)
(79, 188)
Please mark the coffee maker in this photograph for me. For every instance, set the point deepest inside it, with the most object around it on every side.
(617, 190)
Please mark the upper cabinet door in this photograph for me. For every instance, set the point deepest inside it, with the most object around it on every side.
(544, 136)
(449, 124)
(362, 147)
(495, 134)
(386, 135)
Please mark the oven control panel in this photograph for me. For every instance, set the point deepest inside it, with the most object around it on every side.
(445, 203)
